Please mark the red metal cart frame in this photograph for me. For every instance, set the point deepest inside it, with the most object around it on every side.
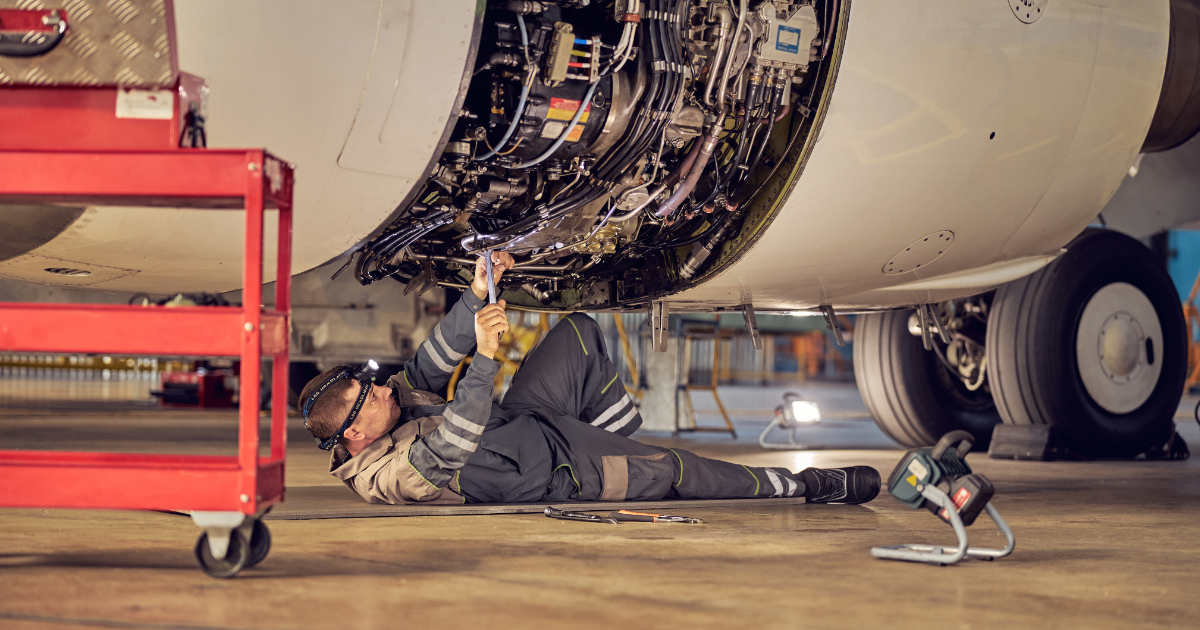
(216, 179)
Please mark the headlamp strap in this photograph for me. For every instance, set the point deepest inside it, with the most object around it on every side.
(364, 381)
(312, 399)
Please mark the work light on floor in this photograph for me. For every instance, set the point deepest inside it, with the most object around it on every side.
(794, 413)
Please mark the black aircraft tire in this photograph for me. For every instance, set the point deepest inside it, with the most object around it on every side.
(911, 396)
(1037, 331)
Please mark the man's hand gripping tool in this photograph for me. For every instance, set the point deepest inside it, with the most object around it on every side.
(940, 481)
(491, 276)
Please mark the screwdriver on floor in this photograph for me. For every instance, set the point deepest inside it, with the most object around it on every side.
(643, 517)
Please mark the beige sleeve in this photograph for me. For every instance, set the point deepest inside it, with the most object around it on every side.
(394, 480)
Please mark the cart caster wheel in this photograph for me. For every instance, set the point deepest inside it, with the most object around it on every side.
(227, 567)
(260, 544)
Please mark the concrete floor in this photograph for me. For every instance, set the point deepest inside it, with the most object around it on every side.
(1099, 544)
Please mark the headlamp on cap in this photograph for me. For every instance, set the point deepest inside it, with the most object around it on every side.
(365, 375)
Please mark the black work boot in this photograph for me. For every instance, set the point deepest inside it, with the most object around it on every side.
(853, 484)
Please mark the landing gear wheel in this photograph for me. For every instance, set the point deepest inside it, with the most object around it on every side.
(227, 567)
(1093, 344)
(911, 395)
(260, 543)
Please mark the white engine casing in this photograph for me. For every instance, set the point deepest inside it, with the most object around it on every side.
(357, 95)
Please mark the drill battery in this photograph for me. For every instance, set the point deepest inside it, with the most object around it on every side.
(970, 493)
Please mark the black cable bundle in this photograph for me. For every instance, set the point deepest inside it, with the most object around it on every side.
(661, 37)
(373, 260)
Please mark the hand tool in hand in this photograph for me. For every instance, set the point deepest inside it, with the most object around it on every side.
(577, 516)
(491, 276)
(642, 517)
(940, 481)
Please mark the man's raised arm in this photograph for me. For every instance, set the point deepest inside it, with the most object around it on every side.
(454, 337)
(437, 455)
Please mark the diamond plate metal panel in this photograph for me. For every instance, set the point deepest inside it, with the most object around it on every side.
(127, 43)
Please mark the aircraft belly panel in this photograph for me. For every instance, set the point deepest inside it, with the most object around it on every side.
(288, 76)
(907, 148)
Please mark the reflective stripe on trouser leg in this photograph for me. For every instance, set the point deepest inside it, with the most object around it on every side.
(784, 486)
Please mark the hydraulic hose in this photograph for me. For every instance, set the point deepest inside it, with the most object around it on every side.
(702, 251)
(707, 143)
(776, 97)
(685, 166)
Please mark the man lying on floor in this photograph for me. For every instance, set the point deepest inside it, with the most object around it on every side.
(561, 433)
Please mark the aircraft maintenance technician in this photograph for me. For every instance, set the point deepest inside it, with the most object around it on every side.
(560, 435)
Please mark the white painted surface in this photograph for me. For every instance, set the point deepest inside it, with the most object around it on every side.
(906, 148)
(290, 76)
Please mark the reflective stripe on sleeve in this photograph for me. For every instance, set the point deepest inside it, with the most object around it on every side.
(464, 444)
(437, 360)
(449, 352)
(462, 422)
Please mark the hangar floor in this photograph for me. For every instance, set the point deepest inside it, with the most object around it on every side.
(1099, 544)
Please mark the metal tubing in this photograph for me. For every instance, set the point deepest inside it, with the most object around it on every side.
(943, 555)
(828, 34)
(925, 553)
(621, 218)
(937, 322)
(724, 19)
(926, 335)
(743, 7)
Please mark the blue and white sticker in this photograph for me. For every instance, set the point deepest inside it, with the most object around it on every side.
(787, 39)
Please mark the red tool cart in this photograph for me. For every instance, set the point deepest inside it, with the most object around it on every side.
(87, 123)
(226, 495)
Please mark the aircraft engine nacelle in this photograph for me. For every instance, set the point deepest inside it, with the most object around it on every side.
(863, 154)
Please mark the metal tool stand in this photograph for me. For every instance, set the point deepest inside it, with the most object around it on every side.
(687, 386)
(778, 422)
(949, 555)
(225, 494)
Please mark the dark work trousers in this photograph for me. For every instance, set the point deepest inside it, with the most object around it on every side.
(572, 387)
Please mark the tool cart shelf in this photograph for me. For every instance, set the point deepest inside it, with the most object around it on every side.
(226, 495)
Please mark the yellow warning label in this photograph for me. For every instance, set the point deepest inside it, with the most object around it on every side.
(564, 109)
(912, 480)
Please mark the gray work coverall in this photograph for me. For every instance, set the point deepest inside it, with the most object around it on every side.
(559, 435)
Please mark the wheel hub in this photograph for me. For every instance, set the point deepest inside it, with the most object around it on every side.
(1118, 348)
(1121, 347)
